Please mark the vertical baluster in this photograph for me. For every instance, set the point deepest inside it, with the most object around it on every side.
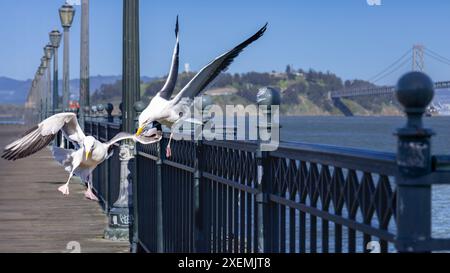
(230, 235)
(243, 194)
(292, 226)
(159, 200)
(236, 220)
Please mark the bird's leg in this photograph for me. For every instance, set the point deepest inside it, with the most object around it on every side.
(168, 149)
(89, 194)
(65, 188)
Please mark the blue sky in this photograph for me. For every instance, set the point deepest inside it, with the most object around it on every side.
(349, 38)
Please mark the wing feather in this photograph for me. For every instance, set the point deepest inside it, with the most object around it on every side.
(213, 69)
(167, 91)
(141, 139)
(41, 135)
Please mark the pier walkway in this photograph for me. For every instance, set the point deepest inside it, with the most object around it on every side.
(36, 218)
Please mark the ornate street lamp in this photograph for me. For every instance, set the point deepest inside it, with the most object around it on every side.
(66, 14)
(55, 40)
(48, 51)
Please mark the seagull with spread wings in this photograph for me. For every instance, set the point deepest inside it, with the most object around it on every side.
(80, 162)
(171, 112)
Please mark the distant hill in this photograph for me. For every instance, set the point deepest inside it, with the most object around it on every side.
(14, 91)
(303, 92)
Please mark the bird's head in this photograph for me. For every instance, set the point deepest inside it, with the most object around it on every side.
(145, 122)
(88, 144)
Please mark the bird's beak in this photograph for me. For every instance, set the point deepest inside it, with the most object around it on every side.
(88, 154)
(139, 131)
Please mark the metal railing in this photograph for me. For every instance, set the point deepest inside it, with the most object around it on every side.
(231, 196)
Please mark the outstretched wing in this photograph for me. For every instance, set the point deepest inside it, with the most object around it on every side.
(213, 69)
(153, 137)
(167, 91)
(41, 135)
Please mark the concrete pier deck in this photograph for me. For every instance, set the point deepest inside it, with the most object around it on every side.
(36, 218)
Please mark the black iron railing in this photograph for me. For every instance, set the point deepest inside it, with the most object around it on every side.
(317, 197)
(232, 196)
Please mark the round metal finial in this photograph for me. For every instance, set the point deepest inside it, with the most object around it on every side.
(109, 108)
(268, 96)
(94, 109)
(415, 91)
(139, 106)
(100, 107)
(87, 109)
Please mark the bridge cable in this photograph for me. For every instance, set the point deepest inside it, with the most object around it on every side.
(437, 57)
(390, 66)
(437, 54)
(392, 71)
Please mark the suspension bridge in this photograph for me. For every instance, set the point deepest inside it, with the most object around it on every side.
(414, 56)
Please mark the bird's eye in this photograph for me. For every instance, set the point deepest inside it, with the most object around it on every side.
(181, 114)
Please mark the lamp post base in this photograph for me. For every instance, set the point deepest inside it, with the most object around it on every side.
(119, 225)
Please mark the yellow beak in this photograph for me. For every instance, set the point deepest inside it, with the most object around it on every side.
(139, 131)
(88, 154)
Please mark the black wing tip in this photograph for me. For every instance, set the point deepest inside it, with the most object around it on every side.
(262, 30)
(177, 27)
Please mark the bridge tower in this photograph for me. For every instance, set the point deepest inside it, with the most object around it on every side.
(418, 62)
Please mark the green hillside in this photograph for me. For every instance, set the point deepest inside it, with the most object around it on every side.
(302, 92)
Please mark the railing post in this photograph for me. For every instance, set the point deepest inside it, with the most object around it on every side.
(107, 170)
(199, 198)
(159, 201)
(138, 107)
(121, 213)
(266, 98)
(109, 109)
(414, 92)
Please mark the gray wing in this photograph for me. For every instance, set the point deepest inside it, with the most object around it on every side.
(167, 91)
(42, 134)
(143, 139)
(213, 69)
(119, 137)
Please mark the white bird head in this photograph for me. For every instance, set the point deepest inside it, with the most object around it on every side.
(145, 119)
(88, 144)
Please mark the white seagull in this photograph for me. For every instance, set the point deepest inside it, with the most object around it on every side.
(80, 162)
(170, 112)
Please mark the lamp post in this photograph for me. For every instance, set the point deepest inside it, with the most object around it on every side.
(41, 72)
(121, 214)
(66, 14)
(48, 97)
(43, 68)
(84, 62)
(55, 40)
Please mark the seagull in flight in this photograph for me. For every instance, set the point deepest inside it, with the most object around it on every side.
(171, 112)
(80, 161)
(171, 81)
